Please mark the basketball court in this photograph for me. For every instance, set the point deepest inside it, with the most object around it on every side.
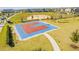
(33, 28)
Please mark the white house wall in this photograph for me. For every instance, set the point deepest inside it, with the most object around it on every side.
(33, 17)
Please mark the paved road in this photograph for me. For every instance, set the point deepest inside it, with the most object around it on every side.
(7, 19)
(53, 42)
(12, 16)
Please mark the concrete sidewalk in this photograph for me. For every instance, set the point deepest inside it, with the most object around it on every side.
(53, 42)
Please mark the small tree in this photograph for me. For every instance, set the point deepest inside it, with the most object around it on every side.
(75, 36)
(10, 41)
(22, 20)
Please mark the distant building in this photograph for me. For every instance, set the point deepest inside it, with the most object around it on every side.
(77, 10)
(38, 17)
(2, 19)
(68, 10)
(8, 10)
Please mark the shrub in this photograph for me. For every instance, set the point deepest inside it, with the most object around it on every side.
(10, 40)
(75, 36)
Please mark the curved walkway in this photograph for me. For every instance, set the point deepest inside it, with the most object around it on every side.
(53, 42)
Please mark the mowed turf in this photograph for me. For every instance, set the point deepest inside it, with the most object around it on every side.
(33, 44)
(24, 16)
(63, 34)
(36, 43)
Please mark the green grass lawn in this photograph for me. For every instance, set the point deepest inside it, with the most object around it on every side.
(27, 14)
(36, 43)
(62, 35)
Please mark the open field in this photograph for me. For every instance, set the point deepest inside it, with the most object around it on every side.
(20, 16)
(61, 35)
(36, 43)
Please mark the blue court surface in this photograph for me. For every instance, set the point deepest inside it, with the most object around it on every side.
(33, 28)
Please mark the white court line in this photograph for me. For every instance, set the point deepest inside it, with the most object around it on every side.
(53, 42)
(34, 35)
